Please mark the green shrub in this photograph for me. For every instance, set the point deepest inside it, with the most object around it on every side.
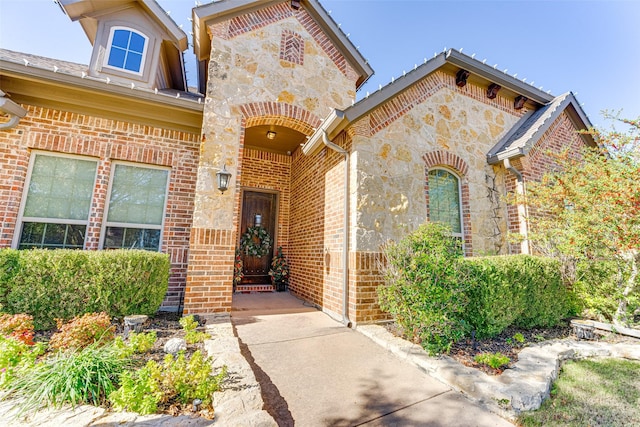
(189, 324)
(597, 292)
(521, 290)
(436, 296)
(73, 377)
(9, 263)
(422, 288)
(175, 381)
(83, 331)
(494, 360)
(50, 284)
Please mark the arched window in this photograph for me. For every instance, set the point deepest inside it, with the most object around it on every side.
(444, 200)
(126, 50)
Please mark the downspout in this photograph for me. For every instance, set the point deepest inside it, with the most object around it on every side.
(345, 243)
(522, 207)
(13, 110)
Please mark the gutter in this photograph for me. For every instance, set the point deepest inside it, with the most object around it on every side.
(345, 241)
(332, 125)
(522, 207)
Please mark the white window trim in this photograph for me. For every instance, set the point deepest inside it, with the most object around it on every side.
(461, 234)
(105, 62)
(25, 193)
(106, 223)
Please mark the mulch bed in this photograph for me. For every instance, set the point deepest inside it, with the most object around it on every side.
(465, 350)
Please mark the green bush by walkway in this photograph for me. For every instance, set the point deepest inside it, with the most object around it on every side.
(50, 284)
(437, 296)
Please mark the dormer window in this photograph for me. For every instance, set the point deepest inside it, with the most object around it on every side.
(126, 50)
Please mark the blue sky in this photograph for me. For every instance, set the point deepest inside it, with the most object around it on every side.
(589, 47)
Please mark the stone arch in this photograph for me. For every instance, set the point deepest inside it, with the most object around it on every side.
(281, 114)
(448, 160)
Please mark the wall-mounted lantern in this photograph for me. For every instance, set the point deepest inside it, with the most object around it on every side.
(223, 178)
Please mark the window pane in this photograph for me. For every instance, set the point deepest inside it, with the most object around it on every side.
(132, 238)
(47, 235)
(121, 38)
(444, 199)
(133, 62)
(136, 44)
(116, 57)
(137, 195)
(60, 188)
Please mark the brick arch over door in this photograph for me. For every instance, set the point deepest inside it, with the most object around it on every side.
(453, 162)
(280, 114)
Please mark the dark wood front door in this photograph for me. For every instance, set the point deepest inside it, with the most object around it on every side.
(255, 203)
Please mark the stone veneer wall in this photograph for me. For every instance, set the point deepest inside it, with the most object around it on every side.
(106, 140)
(399, 143)
(272, 66)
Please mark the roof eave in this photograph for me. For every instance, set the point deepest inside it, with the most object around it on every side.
(496, 76)
(333, 124)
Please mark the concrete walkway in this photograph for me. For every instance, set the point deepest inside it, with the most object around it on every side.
(313, 371)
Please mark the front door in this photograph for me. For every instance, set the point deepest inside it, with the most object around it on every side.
(258, 209)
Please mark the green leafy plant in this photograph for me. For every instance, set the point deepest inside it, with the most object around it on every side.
(175, 381)
(83, 331)
(192, 336)
(139, 391)
(136, 343)
(16, 355)
(519, 338)
(72, 376)
(494, 360)
(18, 326)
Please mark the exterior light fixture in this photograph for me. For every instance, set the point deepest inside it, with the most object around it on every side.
(271, 135)
(223, 178)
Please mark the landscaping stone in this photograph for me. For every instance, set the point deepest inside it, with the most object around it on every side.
(174, 345)
(522, 388)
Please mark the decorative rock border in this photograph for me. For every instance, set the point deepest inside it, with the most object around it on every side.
(240, 402)
(522, 388)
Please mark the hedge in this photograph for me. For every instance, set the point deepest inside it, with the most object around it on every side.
(50, 284)
(437, 296)
(520, 290)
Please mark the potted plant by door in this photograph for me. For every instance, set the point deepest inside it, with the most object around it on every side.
(279, 271)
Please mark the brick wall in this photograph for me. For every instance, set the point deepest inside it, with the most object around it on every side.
(562, 135)
(106, 140)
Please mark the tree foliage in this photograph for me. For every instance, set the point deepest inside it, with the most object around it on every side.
(589, 211)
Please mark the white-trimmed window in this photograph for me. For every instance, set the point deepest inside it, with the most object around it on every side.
(445, 203)
(126, 50)
(135, 212)
(55, 211)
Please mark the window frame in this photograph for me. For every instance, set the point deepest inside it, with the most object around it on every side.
(107, 56)
(107, 202)
(21, 219)
(459, 181)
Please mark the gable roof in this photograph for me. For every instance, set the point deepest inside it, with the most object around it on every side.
(86, 11)
(451, 59)
(530, 128)
(226, 9)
